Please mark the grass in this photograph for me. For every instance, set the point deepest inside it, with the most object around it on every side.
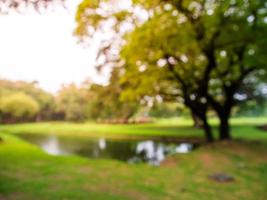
(27, 173)
(242, 128)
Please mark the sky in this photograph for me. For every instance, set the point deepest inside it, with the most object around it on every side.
(41, 47)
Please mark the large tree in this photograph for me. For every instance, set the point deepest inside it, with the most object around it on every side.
(200, 51)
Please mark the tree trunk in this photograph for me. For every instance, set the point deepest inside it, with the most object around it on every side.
(224, 129)
(196, 121)
(204, 124)
(223, 112)
(208, 131)
(199, 112)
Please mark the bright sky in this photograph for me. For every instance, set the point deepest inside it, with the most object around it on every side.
(41, 47)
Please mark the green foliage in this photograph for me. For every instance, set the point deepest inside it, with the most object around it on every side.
(106, 102)
(92, 13)
(166, 110)
(71, 102)
(146, 68)
(44, 99)
(18, 107)
(176, 39)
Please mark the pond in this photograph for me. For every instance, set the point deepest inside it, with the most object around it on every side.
(138, 150)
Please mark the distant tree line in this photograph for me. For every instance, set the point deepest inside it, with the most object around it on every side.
(22, 101)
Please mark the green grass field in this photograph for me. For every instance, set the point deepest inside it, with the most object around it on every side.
(242, 128)
(27, 173)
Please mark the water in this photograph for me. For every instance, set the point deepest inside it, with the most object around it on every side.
(152, 150)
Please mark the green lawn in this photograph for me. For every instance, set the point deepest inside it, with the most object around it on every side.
(27, 173)
(243, 128)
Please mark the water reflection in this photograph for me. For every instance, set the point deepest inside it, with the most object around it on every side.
(184, 148)
(51, 146)
(150, 152)
(102, 143)
(132, 151)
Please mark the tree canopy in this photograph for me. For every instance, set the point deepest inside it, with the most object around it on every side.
(71, 101)
(18, 107)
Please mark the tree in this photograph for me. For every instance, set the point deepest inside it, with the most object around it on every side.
(200, 51)
(162, 109)
(71, 103)
(18, 107)
(106, 102)
(44, 99)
